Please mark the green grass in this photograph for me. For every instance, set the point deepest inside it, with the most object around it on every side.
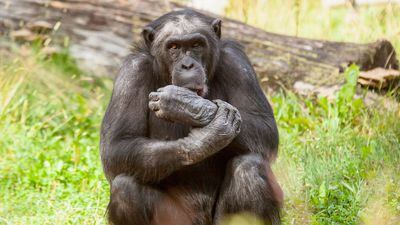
(50, 172)
(339, 161)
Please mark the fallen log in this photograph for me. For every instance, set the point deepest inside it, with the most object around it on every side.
(100, 32)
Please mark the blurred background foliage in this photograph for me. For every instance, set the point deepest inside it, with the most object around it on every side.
(311, 19)
(339, 159)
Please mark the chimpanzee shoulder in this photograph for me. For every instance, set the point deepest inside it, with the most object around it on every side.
(234, 67)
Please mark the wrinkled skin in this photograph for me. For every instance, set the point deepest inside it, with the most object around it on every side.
(220, 131)
(221, 120)
(181, 105)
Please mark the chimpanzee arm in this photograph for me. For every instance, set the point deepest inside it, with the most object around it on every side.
(259, 133)
(179, 104)
(125, 146)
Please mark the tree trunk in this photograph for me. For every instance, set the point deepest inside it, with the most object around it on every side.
(100, 33)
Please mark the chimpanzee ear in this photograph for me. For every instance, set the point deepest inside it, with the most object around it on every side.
(148, 35)
(216, 26)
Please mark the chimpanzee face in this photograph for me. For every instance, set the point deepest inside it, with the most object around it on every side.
(186, 48)
(187, 55)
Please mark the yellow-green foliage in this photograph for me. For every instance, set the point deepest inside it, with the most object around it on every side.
(309, 18)
(50, 171)
(338, 158)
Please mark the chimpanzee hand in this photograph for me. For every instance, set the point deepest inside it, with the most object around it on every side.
(207, 140)
(181, 105)
(225, 125)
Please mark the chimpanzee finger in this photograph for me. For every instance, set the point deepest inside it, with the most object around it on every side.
(154, 105)
(237, 126)
(222, 111)
(237, 117)
(166, 88)
(160, 114)
(154, 96)
(231, 115)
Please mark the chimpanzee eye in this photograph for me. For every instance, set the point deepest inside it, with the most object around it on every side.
(196, 44)
(173, 46)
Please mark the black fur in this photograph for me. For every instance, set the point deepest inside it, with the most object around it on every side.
(143, 156)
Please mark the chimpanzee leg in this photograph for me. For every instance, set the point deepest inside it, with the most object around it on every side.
(132, 203)
(249, 186)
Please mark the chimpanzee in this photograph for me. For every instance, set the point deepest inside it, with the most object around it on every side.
(188, 136)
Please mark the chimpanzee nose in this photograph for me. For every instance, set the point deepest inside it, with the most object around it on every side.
(187, 64)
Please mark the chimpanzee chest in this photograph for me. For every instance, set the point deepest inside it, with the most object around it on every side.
(164, 130)
(210, 170)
